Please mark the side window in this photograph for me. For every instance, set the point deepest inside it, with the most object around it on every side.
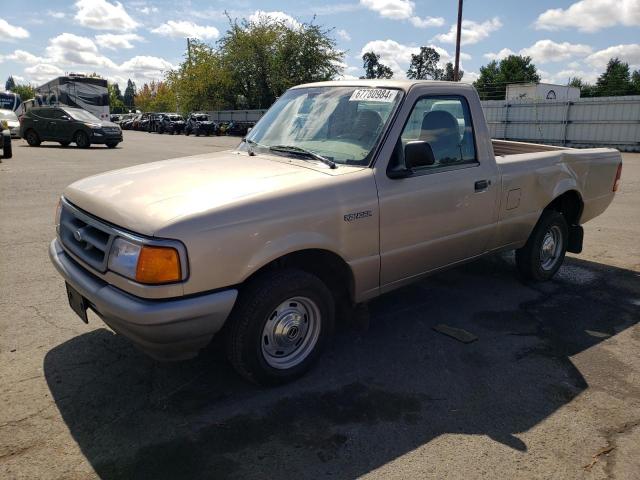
(445, 123)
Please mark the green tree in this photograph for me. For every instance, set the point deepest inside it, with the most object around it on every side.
(586, 89)
(616, 80)
(10, 83)
(424, 65)
(26, 92)
(448, 75)
(116, 101)
(266, 56)
(635, 82)
(129, 95)
(156, 97)
(373, 68)
(494, 77)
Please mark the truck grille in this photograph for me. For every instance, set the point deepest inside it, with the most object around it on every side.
(85, 237)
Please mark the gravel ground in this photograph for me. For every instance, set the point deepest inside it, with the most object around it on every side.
(551, 388)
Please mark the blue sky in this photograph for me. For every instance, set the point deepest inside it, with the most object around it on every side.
(140, 39)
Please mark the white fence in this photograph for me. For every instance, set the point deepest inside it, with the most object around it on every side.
(586, 122)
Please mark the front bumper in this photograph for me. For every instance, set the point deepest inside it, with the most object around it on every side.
(173, 329)
(106, 138)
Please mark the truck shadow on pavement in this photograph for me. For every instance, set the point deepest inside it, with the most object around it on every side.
(374, 396)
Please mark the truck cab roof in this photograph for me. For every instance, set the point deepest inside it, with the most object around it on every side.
(404, 85)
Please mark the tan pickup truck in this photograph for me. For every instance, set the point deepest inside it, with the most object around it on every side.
(342, 192)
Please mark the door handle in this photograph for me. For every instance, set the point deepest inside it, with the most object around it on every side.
(482, 185)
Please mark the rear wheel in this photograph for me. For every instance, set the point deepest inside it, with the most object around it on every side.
(544, 252)
(32, 138)
(81, 139)
(279, 326)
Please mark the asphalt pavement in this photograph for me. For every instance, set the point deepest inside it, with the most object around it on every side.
(550, 389)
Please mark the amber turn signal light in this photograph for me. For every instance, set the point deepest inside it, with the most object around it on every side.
(158, 265)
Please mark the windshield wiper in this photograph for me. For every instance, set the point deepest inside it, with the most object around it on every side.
(303, 151)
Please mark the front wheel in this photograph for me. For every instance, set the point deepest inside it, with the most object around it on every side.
(544, 252)
(279, 326)
(82, 140)
(32, 138)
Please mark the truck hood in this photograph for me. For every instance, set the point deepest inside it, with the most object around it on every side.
(148, 197)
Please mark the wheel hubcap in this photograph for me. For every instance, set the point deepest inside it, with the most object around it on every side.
(551, 248)
(291, 332)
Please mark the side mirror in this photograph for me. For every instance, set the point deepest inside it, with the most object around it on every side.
(418, 154)
(249, 129)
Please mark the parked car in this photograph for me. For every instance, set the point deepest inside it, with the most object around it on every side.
(235, 128)
(11, 119)
(128, 124)
(170, 123)
(342, 192)
(5, 145)
(143, 122)
(200, 124)
(66, 125)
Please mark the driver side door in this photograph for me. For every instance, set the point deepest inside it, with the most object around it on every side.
(442, 213)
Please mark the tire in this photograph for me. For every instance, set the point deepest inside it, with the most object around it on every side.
(279, 326)
(186, 132)
(544, 252)
(112, 144)
(81, 139)
(32, 138)
(161, 130)
(196, 132)
(65, 143)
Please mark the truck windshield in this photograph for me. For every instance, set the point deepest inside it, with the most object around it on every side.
(342, 124)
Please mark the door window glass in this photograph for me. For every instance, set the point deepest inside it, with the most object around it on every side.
(444, 123)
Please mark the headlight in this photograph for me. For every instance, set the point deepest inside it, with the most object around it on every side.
(94, 125)
(145, 263)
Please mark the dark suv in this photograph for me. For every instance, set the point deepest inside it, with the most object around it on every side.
(66, 125)
(200, 124)
(170, 123)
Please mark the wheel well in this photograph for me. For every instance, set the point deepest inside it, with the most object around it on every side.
(570, 205)
(329, 267)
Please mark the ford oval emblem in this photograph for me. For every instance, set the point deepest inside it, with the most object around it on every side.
(78, 235)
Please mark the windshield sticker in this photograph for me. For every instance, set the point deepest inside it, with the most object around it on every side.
(373, 95)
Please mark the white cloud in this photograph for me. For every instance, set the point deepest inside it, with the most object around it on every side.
(22, 56)
(185, 28)
(56, 15)
(426, 22)
(504, 53)
(146, 10)
(11, 32)
(116, 41)
(103, 15)
(401, 10)
(544, 51)
(563, 76)
(629, 53)
(261, 15)
(68, 48)
(146, 66)
(398, 56)
(42, 72)
(394, 9)
(472, 32)
(591, 15)
(470, 77)
(343, 34)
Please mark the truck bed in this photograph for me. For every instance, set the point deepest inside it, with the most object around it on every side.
(508, 147)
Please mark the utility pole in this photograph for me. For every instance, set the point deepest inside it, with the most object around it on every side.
(456, 69)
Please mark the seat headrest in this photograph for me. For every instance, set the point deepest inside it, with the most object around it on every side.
(439, 126)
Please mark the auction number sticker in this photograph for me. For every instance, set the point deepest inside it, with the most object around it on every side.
(373, 95)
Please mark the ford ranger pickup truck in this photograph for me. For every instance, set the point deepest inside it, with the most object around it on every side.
(343, 191)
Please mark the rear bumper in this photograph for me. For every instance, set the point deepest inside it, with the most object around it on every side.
(173, 329)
